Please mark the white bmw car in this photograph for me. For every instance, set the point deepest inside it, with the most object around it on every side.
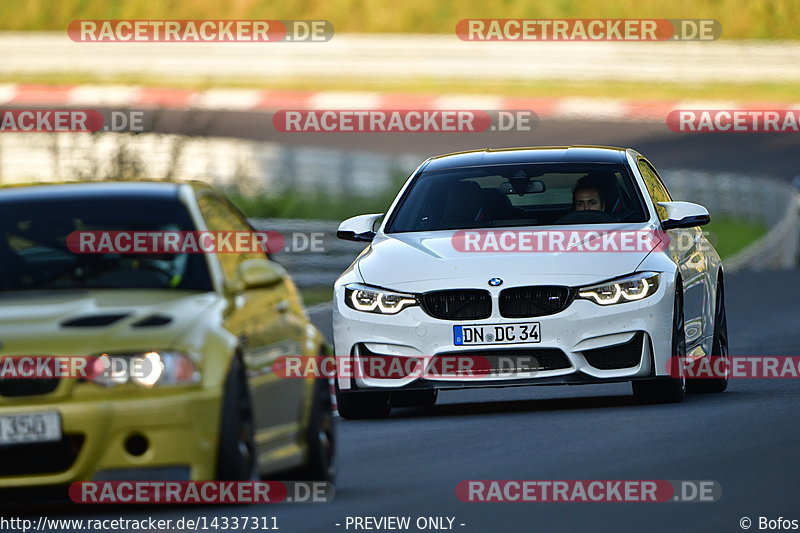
(497, 268)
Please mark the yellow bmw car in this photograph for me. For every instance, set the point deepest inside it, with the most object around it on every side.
(208, 325)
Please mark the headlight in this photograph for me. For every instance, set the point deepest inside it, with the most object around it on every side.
(145, 369)
(372, 300)
(628, 289)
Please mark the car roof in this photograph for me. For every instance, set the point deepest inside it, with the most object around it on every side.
(544, 154)
(106, 190)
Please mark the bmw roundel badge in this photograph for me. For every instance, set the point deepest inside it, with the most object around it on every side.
(495, 282)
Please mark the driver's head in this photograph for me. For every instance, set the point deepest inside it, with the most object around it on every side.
(587, 195)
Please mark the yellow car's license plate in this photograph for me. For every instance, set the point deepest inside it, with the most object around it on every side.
(30, 427)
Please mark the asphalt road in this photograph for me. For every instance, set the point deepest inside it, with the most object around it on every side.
(408, 465)
(759, 154)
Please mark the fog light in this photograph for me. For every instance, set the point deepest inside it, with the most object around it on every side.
(136, 445)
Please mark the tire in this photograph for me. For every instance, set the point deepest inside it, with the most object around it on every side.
(236, 454)
(320, 464)
(414, 398)
(361, 405)
(719, 346)
(667, 389)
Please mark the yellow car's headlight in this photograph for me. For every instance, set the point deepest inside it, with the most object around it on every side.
(146, 369)
(628, 289)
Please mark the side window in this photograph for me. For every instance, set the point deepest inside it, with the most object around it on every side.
(655, 187)
(220, 216)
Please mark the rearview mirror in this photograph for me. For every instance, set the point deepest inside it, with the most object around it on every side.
(532, 187)
(684, 215)
(256, 273)
(361, 228)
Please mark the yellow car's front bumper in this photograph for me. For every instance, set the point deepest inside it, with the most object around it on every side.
(157, 434)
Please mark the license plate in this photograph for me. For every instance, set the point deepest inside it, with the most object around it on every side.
(496, 334)
(33, 427)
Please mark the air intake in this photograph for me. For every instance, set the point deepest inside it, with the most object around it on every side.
(152, 321)
(93, 321)
(533, 301)
(458, 304)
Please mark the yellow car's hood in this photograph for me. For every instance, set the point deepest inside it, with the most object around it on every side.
(89, 322)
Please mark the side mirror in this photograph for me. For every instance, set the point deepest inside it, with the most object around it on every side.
(360, 228)
(256, 273)
(684, 215)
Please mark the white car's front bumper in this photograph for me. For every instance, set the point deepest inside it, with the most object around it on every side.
(577, 330)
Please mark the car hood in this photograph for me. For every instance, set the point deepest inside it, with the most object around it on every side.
(422, 261)
(88, 322)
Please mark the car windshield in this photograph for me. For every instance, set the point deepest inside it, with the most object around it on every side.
(518, 195)
(34, 253)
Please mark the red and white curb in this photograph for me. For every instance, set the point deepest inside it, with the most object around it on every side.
(265, 100)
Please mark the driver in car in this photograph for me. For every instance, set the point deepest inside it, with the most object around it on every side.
(586, 196)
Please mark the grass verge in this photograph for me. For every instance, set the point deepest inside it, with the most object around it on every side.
(730, 235)
(319, 206)
(740, 19)
(316, 295)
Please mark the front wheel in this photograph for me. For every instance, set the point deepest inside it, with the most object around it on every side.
(320, 462)
(236, 454)
(414, 398)
(719, 347)
(667, 389)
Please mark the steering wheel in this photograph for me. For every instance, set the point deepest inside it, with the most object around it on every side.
(627, 216)
(156, 266)
(585, 217)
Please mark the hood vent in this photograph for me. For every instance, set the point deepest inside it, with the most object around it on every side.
(152, 321)
(93, 321)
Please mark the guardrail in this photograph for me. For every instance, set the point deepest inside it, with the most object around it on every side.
(774, 203)
(308, 268)
(247, 165)
(771, 202)
(255, 166)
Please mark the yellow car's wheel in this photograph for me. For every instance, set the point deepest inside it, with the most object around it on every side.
(236, 459)
(320, 462)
